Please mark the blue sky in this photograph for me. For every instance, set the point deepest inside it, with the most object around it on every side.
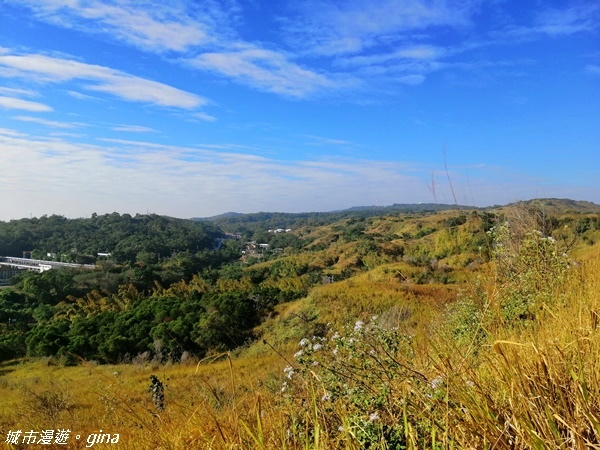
(194, 108)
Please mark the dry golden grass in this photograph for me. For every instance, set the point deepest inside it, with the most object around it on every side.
(533, 387)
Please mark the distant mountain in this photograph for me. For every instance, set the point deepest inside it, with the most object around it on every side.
(362, 210)
(227, 215)
(236, 222)
(233, 221)
(410, 207)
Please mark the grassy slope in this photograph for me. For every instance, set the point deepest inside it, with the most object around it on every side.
(533, 387)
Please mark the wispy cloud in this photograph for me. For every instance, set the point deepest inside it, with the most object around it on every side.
(328, 46)
(18, 92)
(266, 70)
(25, 105)
(160, 177)
(149, 25)
(100, 79)
(205, 117)
(411, 80)
(355, 25)
(140, 171)
(11, 133)
(80, 96)
(48, 123)
(134, 129)
(206, 30)
(573, 18)
(415, 54)
(326, 141)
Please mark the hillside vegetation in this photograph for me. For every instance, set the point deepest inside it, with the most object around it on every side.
(453, 329)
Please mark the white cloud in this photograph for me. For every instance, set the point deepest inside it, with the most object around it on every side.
(355, 25)
(128, 87)
(575, 18)
(205, 117)
(49, 123)
(17, 92)
(424, 52)
(11, 133)
(266, 70)
(411, 80)
(326, 141)
(80, 96)
(77, 179)
(134, 129)
(420, 54)
(26, 105)
(149, 25)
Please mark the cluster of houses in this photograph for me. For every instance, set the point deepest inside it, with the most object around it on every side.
(254, 249)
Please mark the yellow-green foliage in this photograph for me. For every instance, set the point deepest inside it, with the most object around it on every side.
(399, 380)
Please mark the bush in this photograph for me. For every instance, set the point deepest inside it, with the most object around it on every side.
(362, 385)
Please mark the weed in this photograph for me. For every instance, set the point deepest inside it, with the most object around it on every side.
(158, 393)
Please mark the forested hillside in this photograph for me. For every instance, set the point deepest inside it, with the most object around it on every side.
(400, 330)
(125, 237)
(249, 223)
(169, 288)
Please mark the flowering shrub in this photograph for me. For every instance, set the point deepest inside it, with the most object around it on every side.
(359, 382)
(528, 273)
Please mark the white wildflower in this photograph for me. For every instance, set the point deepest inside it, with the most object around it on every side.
(336, 335)
(437, 381)
(317, 347)
(298, 354)
(304, 342)
(359, 325)
(289, 371)
(374, 417)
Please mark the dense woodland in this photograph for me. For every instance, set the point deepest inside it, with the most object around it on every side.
(173, 287)
(128, 239)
